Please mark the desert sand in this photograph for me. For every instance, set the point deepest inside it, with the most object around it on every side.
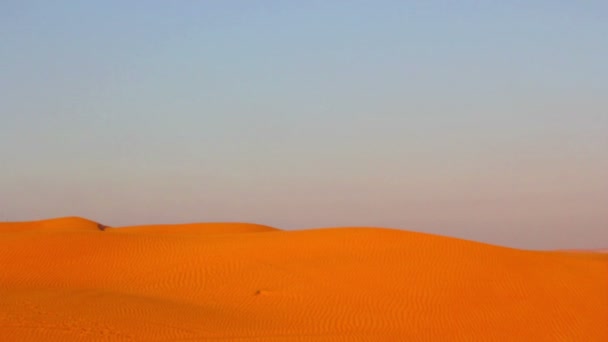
(71, 279)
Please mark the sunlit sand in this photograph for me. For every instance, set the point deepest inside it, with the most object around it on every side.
(71, 279)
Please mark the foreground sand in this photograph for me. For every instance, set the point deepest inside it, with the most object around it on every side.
(75, 280)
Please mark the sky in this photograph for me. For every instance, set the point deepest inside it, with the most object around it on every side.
(483, 120)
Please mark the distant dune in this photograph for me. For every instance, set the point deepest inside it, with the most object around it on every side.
(587, 250)
(62, 224)
(199, 228)
(72, 279)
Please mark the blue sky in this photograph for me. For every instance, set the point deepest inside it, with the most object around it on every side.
(482, 120)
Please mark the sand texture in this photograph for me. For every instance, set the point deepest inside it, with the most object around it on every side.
(71, 279)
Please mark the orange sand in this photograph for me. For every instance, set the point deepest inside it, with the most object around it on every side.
(74, 280)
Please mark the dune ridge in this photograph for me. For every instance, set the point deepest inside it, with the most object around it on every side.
(69, 280)
(199, 228)
(60, 223)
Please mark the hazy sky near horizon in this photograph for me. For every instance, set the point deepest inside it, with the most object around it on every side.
(480, 120)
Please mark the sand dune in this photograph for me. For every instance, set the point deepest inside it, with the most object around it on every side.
(587, 250)
(198, 228)
(57, 224)
(75, 280)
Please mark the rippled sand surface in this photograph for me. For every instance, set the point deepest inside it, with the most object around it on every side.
(72, 279)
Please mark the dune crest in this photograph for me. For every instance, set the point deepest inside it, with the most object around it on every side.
(60, 223)
(198, 228)
(242, 282)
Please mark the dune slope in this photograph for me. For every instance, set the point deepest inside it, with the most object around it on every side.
(69, 280)
(62, 224)
(198, 228)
